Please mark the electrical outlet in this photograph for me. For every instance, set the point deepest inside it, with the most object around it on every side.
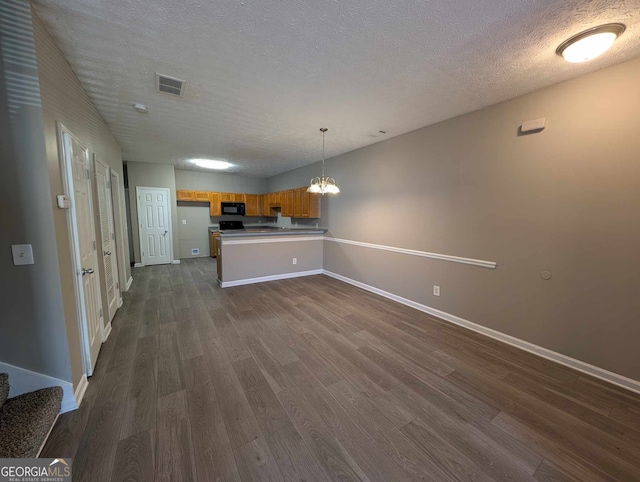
(436, 290)
(184, 221)
(195, 251)
(295, 260)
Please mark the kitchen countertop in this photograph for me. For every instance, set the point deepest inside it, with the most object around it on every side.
(235, 233)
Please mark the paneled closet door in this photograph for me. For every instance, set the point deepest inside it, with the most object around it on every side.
(107, 233)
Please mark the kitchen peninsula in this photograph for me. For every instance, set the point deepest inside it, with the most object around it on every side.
(248, 256)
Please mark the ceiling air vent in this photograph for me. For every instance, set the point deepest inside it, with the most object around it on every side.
(170, 85)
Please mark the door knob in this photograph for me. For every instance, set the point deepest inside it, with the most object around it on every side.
(165, 233)
(86, 271)
(107, 253)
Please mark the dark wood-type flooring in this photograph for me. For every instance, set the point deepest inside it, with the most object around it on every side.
(313, 379)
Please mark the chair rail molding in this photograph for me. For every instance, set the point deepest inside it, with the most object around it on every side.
(414, 252)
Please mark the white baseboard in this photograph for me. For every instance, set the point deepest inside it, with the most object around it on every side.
(129, 281)
(138, 265)
(107, 332)
(81, 389)
(601, 373)
(262, 279)
(22, 381)
(175, 261)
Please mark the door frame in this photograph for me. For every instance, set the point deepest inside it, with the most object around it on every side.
(120, 230)
(169, 223)
(74, 243)
(109, 200)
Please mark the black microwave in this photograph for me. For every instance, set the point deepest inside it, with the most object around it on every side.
(232, 208)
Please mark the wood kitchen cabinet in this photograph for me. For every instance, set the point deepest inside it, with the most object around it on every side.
(252, 207)
(230, 197)
(297, 202)
(185, 195)
(294, 203)
(275, 199)
(213, 250)
(305, 204)
(287, 203)
(214, 204)
(196, 196)
(266, 207)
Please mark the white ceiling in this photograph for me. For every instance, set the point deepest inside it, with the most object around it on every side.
(264, 76)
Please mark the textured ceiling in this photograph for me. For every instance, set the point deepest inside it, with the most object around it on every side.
(264, 76)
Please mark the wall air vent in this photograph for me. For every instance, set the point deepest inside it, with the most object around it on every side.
(170, 85)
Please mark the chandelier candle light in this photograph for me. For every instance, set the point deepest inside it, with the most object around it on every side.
(322, 185)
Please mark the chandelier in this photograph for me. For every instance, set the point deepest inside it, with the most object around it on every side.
(322, 185)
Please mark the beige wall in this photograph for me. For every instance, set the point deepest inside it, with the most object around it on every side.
(32, 313)
(564, 200)
(195, 233)
(142, 174)
(246, 261)
(64, 100)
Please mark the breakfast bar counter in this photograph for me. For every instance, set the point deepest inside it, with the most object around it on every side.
(248, 256)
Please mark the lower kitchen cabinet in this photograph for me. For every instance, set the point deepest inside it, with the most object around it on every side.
(212, 243)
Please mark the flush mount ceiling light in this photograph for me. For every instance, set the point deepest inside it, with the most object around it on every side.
(211, 163)
(323, 185)
(591, 43)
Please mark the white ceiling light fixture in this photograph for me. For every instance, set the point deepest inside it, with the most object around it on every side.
(323, 185)
(591, 43)
(211, 163)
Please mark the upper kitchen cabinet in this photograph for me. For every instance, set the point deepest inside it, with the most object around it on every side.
(197, 196)
(186, 195)
(287, 203)
(275, 199)
(214, 204)
(305, 204)
(266, 207)
(229, 197)
(252, 206)
(314, 204)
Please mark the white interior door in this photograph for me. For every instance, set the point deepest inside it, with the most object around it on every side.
(108, 235)
(155, 227)
(122, 235)
(78, 184)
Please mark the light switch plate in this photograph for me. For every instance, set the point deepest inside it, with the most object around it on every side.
(22, 254)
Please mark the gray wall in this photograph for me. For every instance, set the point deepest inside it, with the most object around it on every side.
(210, 181)
(195, 233)
(564, 200)
(246, 261)
(32, 323)
(142, 174)
(64, 100)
